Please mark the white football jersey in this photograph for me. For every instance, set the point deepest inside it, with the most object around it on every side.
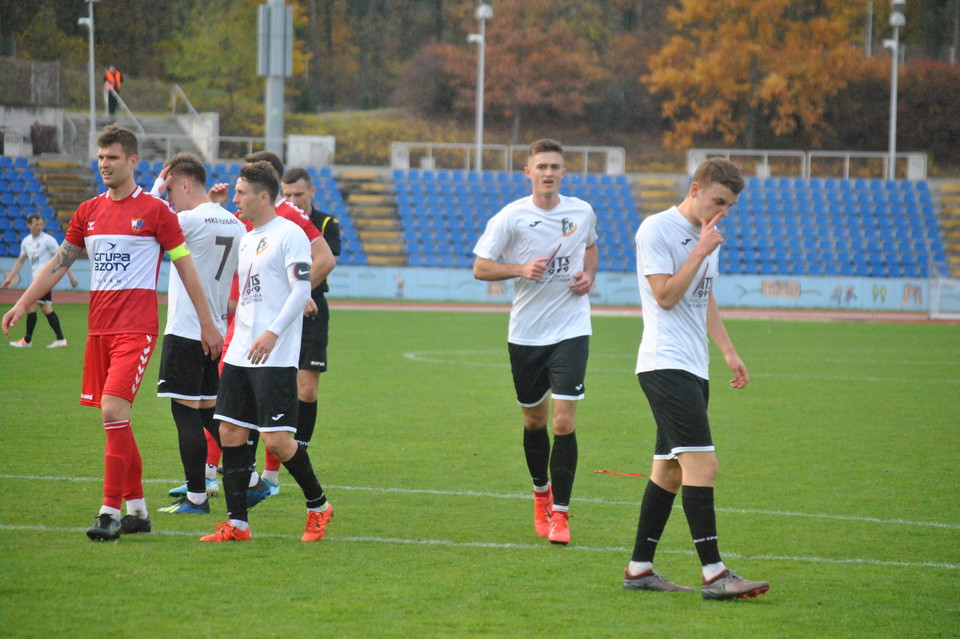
(675, 338)
(546, 311)
(268, 256)
(213, 236)
(38, 250)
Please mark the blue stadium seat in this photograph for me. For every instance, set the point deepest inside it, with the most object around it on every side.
(21, 163)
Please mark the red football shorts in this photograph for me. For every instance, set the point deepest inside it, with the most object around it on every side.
(114, 365)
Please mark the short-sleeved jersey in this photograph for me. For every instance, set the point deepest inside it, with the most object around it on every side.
(546, 311)
(329, 227)
(675, 338)
(125, 241)
(213, 237)
(267, 256)
(38, 250)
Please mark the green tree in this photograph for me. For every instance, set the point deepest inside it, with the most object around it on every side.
(736, 65)
(216, 63)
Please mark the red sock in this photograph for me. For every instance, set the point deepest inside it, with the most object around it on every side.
(133, 487)
(116, 461)
(271, 462)
(213, 451)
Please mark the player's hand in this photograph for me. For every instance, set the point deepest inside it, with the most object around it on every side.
(710, 235)
(218, 193)
(310, 308)
(73, 282)
(261, 348)
(582, 283)
(6, 283)
(163, 181)
(535, 269)
(740, 375)
(10, 319)
(211, 340)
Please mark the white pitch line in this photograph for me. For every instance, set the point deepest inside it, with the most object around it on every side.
(515, 546)
(525, 496)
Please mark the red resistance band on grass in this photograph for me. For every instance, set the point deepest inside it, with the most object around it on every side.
(611, 472)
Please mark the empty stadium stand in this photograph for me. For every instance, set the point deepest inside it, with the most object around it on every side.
(432, 218)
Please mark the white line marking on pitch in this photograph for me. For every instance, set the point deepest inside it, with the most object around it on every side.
(515, 546)
(524, 496)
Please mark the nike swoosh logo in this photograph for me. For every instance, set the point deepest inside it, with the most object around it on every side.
(276, 417)
(579, 386)
(302, 273)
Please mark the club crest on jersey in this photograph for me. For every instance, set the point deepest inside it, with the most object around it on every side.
(567, 228)
(262, 246)
(136, 225)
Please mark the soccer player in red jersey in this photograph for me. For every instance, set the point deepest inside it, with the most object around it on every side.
(125, 232)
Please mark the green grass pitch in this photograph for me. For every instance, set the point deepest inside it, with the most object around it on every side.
(838, 484)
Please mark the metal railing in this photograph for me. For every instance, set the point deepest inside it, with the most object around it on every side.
(806, 164)
(502, 157)
(198, 128)
(123, 105)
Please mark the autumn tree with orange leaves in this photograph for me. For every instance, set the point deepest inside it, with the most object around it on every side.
(536, 60)
(734, 64)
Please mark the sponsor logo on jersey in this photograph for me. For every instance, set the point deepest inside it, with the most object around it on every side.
(534, 225)
(262, 246)
(301, 271)
(687, 241)
(567, 228)
(90, 225)
(110, 259)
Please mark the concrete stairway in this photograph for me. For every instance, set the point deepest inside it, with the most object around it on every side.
(657, 192)
(371, 201)
(66, 183)
(950, 225)
(165, 136)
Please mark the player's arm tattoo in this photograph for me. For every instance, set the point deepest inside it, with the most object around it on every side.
(65, 256)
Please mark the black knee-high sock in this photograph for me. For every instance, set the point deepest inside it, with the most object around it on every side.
(654, 513)
(31, 325)
(563, 467)
(54, 321)
(253, 441)
(211, 426)
(301, 469)
(306, 422)
(702, 519)
(193, 445)
(536, 448)
(237, 466)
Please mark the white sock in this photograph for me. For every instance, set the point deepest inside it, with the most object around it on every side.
(197, 499)
(639, 567)
(272, 476)
(254, 478)
(239, 523)
(137, 507)
(541, 489)
(113, 512)
(211, 472)
(712, 570)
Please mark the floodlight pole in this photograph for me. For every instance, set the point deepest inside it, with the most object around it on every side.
(484, 13)
(897, 20)
(92, 134)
